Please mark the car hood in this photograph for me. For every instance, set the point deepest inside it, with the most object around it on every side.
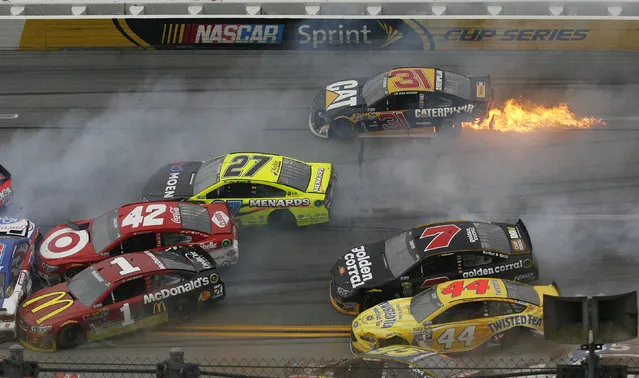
(394, 313)
(362, 267)
(63, 244)
(50, 306)
(171, 182)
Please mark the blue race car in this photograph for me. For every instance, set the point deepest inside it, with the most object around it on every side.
(17, 244)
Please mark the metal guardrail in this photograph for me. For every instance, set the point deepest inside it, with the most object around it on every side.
(305, 8)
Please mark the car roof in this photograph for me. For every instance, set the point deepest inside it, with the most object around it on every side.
(496, 289)
(146, 261)
(460, 236)
(425, 77)
(269, 172)
(159, 216)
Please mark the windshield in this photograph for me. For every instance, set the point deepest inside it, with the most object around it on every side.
(175, 261)
(425, 304)
(87, 286)
(374, 89)
(399, 255)
(208, 174)
(105, 230)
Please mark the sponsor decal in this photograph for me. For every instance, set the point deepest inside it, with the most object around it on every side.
(159, 307)
(512, 232)
(56, 300)
(9, 220)
(472, 35)
(443, 112)
(391, 315)
(355, 324)
(481, 89)
(496, 254)
(324, 36)
(496, 287)
(208, 246)
(204, 296)
(196, 258)
(528, 263)
(175, 215)
(358, 266)
(524, 277)
(5, 194)
(276, 166)
(177, 290)
(220, 219)
(513, 321)
(518, 245)
(97, 321)
(318, 180)
(471, 232)
(297, 202)
(155, 260)
(174, 175)
(2, 248)
(218, 290)
(211, 34)
(342, 93)
(439, 79)
(479, 272)
(341, 270)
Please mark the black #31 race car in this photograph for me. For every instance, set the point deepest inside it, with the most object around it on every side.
(412, 101)
(410, 262)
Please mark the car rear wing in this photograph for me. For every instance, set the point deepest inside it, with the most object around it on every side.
(480, 89)
(523, 231)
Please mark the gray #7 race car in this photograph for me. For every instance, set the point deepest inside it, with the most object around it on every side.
(412, 101)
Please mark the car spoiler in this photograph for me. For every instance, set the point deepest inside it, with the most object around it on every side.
(480, 88)
(554, 284)
(524, 233)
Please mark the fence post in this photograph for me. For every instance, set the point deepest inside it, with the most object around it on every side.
(175, 367)
(14, 366)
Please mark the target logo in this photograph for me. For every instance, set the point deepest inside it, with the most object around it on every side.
(64, 243)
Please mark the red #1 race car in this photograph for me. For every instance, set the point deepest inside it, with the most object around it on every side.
(119, 295)
(145, 226)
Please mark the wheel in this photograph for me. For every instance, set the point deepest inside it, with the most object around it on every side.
(72, 271)
(341, 128)
(184, 310)
(70, 336)
(281, 219)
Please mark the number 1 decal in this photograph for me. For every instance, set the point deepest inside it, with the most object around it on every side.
(442, 236)
(124, 265)
(126, 314)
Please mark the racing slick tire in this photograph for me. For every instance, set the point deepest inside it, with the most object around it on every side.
(183, 310)
(281, 219)
(72, 271)
(70, 336)
(341, 128)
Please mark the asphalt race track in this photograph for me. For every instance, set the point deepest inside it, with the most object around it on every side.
(81, 132)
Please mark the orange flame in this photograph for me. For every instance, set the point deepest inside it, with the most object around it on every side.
(515, 116)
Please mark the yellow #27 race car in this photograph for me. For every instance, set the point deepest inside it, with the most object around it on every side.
(455, 316)
(259, 188)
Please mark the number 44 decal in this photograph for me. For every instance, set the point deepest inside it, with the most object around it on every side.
(467, 336)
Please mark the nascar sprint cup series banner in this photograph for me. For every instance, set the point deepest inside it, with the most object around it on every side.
(330, 34)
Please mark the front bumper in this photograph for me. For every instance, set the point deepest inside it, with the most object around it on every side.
(320, 131)
(348, 308)
(39, 342)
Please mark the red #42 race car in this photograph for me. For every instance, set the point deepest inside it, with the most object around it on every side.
(120, 295)
(145, 226)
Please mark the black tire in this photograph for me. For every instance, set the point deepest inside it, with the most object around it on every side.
(341, 128)
(183, 310)
(281, 219)
(70, 336)
(72, 271)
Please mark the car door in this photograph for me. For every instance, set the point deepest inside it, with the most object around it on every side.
(135, 243)
(460, 327)
(390, 116)
(255, 199)
(121, 311)
(433, 270)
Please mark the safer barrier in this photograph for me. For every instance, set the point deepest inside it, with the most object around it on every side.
(320, 34)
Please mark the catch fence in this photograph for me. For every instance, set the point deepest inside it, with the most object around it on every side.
(13, 365)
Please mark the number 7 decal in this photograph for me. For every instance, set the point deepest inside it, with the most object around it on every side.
(442, 236)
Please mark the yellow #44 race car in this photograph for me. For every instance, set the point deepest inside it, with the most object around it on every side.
(258, 188)
(455, 316)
